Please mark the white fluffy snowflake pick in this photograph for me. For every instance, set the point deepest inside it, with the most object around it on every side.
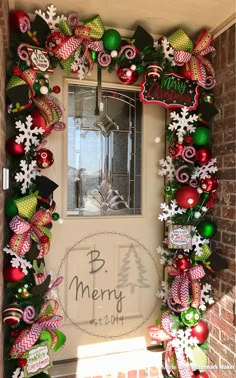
(197, 243)
(50, 17)
(205, 170)
(170, 210)
(27, 175)
(182, 122)
(28, 135)
(167, 168)
(206, 297)
(18, 261)
(164, 292)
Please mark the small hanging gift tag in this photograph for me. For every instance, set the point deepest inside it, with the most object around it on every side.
(179, 237)
(38, 360)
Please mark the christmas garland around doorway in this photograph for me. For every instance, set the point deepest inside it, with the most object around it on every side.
(175, 74)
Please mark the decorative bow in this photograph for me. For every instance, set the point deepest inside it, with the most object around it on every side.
(35, 229)
(175, 358)
(47, 320)
(179, 291)
(64, 44)
(199, 66)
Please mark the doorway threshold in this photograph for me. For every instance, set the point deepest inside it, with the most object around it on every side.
(134, 364)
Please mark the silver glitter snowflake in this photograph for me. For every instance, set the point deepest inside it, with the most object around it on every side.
(167, 168)
(170, 210)
(28, 135)
(205, 170)
(182, 122)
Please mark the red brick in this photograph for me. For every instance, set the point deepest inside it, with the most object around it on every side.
(133, 374)
(224, 224)
(229, 161)
(121, 375)
(228, 238)
(228, 212)
(143, 373)
(154, 372)
(231, 42)
(229, 134)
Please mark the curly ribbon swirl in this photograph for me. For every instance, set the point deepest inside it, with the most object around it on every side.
(104, 59)
(73, 18)
(188, 153)
(29, 315)
(129, 51)
(24, 24)
(183, 177)
(23, 55)
(180, 287)
(193, 183)
(47, 320)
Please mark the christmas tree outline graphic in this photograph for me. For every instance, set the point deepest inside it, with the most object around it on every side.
(137, 268)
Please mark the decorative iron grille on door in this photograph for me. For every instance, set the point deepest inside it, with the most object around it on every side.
(104, 152)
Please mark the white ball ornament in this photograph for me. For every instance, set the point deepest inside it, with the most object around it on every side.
(60, 220)
(157, 140)
(133, 67)
(204, 209)
(43, 90)
(114, 53)
(128, 73)
(199, 190)
(197, 215)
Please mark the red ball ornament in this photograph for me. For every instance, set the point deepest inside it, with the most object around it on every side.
(127, 76)
(21, 362)
(19, 20)
(56, 89)
(203, 374)
(200, 331)
(12, 274)
(182, 262)
(188, 139)
(203, 156)
(13, 148)
(12, 315)
(39, 121)
(44, 158)
(186, 72)
(187, 197)
(44, 239)
(209, 184)
(176, 149)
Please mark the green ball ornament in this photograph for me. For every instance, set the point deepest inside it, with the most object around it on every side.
(11, 208)
(94, 55)
(201, 137)
(55, 216)
(111, 39)
(170, 189)
(190, 317)
(206, 228)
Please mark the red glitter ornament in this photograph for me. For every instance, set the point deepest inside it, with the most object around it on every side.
(209, 184)
(188, 139)
(182, 262)
(21, 362)
(203, 156)
(176, 149)
(203, 374)
(186, 72)
(44, 158)
(127, 76)
(56, 89)
(39, 121)
(13, 148)
(187, 197)
(200, 331)
(12, 274)
(44, 239)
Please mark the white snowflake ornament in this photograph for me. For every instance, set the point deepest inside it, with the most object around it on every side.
(182, 122)
(50, 17)
(164, 292)
(197, 243)
(18, 261)
(205, 296)
(170, 210)
(168, 50)
(28, 173)
(28, 135)
(165, 256)
(205, 170)
(184, 340)
(18, 373)
(167, 168)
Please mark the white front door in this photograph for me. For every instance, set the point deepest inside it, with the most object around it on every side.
(109, 262)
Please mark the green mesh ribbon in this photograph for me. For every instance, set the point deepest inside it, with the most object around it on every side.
(26, 205)
(64, 26)
(96, 25)
(180, 41)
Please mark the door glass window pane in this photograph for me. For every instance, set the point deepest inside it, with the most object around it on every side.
(104, 152)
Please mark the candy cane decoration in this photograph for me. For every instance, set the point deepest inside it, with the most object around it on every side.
(183, 177)
(29, 315)
(23, 55)
(188, 153)
(104, 59)
(129, 51)
(73, 19)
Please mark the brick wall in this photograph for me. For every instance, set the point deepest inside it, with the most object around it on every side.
(221, 315)
(3, 49)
